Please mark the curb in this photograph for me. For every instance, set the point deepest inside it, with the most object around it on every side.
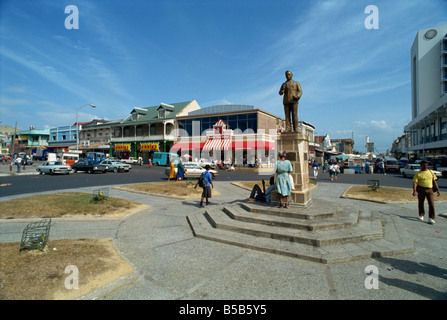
(344, 196)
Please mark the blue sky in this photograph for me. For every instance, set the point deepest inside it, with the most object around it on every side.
(136, 53)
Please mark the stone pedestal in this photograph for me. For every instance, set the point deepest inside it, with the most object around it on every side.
(296, 146)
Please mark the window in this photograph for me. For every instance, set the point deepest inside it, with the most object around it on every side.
(413, 88)
(161, 113)
(169, 128)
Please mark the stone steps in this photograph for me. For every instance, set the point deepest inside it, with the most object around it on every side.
(344, 219)
(298, 212)
(365, 230)
(325, 237)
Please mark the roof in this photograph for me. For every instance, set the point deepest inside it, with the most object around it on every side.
(150, 114)
(33, 132)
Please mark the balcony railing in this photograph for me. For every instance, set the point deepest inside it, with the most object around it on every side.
(142, 138)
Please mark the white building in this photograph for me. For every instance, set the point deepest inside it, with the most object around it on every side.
(426, 133)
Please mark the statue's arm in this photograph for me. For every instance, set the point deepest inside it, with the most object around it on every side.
(281, 91)
(299, 91)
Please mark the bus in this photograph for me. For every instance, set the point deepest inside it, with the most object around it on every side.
(164, 158)
(96, 156)
(69, 158)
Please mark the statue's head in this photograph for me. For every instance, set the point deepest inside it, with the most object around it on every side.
(289, 75)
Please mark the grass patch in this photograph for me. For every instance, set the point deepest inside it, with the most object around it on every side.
(66, 204)
(183, 189)
(40, 275)
(386, 194)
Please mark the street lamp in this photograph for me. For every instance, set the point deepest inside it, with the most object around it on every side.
(77, 124)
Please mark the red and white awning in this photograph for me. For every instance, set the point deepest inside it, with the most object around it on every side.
(217, 144)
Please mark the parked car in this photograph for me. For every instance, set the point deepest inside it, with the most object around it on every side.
(89, 166)
(193, 171)
(443, 171)
(410, 170)
(53, 167)
(116, 165)
(203, 163)
(429, 164)
(131, 160)
(402, 164)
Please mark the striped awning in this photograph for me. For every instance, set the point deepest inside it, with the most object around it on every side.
(217, 144)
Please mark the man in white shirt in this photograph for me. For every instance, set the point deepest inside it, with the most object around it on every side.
(18, 162)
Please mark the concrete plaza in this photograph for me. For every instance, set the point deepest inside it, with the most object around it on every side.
(172, 264)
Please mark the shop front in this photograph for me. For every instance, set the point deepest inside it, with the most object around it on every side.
(140, 150)
(223, 145)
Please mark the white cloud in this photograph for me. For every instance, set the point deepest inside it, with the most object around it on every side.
(373, 124)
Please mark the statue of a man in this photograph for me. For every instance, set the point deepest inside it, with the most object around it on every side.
(292, 93)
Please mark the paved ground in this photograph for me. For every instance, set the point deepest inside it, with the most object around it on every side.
(172, 264)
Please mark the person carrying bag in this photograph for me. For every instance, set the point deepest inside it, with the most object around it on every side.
(424, 187)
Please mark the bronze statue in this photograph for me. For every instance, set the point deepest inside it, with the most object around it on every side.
(292, 93)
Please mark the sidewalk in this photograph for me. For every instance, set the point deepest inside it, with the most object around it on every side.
(172, 264)
(8, 170)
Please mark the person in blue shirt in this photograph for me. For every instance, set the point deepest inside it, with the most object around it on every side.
(206, 194)
(180, 171)
(316, 167)
(283, 185)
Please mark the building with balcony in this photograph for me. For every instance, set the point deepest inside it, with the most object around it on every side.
(426, 133)
(33, 139)
(63, 138)
(26, 140)
(96, 135)
(147, 130)
(6, 132)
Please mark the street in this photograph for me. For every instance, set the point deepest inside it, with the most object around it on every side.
(32, 183)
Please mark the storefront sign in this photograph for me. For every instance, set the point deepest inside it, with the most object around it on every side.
(149, 146)
(122, 147)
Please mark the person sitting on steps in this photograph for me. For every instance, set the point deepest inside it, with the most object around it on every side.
(258, 195)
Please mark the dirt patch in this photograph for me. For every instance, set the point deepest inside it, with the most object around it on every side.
(66, 204)
(181, 189)
(40, 275)
(385, 194)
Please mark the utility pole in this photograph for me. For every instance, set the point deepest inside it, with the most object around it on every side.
(13, 144)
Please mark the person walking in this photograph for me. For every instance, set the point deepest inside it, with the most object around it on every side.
(382, 167)
(180, 171)
(207, 179)
(316, 168)
(18, 162)
(337, 170)
(424, 183)
(332, 170)
(172, 173)
(283, 185)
